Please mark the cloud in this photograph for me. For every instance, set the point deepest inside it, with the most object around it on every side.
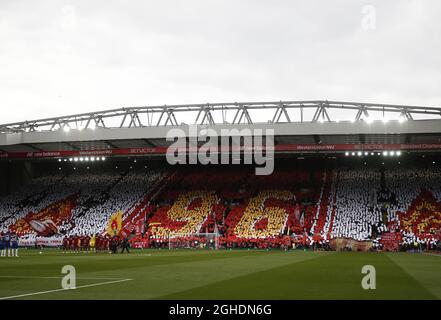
(59, 57)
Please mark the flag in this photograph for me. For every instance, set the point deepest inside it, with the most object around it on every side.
(302, 220)
(115, 224)
(140, 226)
(297, 212)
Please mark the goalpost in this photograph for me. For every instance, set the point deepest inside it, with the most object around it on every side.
(193, 241)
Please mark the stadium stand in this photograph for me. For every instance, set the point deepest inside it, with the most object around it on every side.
(306, 205)
(86, 199)
(356, 212)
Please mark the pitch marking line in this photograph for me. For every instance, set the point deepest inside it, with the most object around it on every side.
(58, 290)
(37, 277)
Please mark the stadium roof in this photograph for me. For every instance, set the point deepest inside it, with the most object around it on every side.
(309, 125)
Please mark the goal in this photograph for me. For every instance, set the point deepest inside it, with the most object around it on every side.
(193, 241)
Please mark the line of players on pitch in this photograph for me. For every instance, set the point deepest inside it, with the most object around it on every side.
(8, 245)
(94, 243)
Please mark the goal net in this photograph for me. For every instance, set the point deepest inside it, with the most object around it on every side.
(194, 241)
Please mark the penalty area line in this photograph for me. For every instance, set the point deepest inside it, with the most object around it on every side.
(58, 290)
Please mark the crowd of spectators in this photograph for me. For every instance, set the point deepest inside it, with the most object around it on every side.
(97, 196)
(294, 207)
(355, 211)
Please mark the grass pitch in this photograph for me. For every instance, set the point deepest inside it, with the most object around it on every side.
(188, 274)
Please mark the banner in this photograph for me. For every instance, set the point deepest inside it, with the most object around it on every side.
(163, 150)
(392, 226)
(391, 240)
(139, 228)
(391, 236)
(41, 241)
(115, 224)
(139, 243)
(341, 244)
(46, 221)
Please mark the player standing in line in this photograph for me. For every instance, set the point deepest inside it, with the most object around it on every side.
(65, 244)
(14, 245)
(7, 242)
(2, 246)
(86, 243)
(80, 243)
(71, 244)
(92, 243)
(98, 243)
(68, 248)
(107, 244)
(75, 243)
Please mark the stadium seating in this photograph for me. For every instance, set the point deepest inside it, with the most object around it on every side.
(91, 199)
(186, 216)
(237, 215)
(302, 205)
(355, 212)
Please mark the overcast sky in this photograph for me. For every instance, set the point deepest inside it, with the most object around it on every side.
(64, 57)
